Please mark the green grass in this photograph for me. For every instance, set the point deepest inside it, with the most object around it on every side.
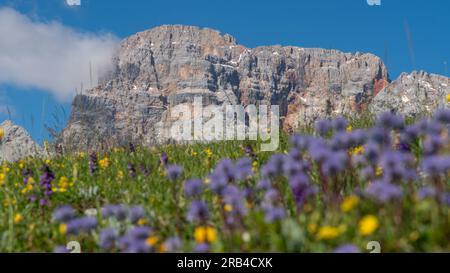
(405, 226)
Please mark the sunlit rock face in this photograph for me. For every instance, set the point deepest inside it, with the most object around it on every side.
(156, 70)
(16, 143)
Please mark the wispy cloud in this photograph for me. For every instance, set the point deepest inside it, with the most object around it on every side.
(73, 2)
(49, 55)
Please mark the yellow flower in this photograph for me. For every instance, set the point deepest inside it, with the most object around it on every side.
(357, 150)
(349, 203)
(368, 224)
(208, 152)
(349, 128)
(194, 153)
(104, 163)
(205, 234)
(152, 240)
(379, 171)
(18, 218)
(120, 174)
(228, 208)
(206, 181)
(63, 229)
(2, 133)
(48, 161)
(448, 101)
(328, 232)
(142, 222)
(2, 178)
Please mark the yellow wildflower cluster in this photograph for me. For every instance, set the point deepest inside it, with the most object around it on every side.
(2, 178)
(208, 152)
(330, 232)
(357, 150)
(205, 235)
(63, 185)
(448, 98)
(18, 218)
(104, 163)
(368, 225)
(349, 203)
(2, 133)
(29, 186)
(152, 240)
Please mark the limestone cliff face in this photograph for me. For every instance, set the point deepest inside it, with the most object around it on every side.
(170, 65)
(16, 143)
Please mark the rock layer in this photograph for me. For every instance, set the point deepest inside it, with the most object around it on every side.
(16, 143)
(158, 69)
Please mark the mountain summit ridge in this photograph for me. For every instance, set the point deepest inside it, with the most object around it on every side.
(165, 66)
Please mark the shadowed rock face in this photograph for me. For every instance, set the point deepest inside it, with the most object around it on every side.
(16, 143)
(170, 65)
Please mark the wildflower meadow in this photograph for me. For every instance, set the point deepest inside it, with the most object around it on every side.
(340, 186)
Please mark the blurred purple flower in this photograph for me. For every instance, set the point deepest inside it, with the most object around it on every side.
(198, 211)
(347, 248)
(323, 126)
(107, 239)
(193, 187)
(383, 192)
(174, 172)
(64, 214)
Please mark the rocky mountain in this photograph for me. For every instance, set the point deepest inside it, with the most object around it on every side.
(156, 70)
(16, 143)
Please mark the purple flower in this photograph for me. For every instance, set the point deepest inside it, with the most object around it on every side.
(442, 116)
(61, 250)
(379, 136)
(371, 152)
(436, 165)
(397, 165)
(174, 172)
(347, 248)
(432, 144)
(119, 212)
(445, 199)
(131, 170)
(93, 163)
(264, 184)
(201, 248)
(64, 214)
(108, 237)
(340, 124)
(164, 159)
(383, 192)
(390, 120)
(334, 163)
(273, 214)
(426, 192)
(323, 126)
(301, 188)
(83, 224)
(198, 211)
(193, 187)
(136, 213)
(46, 181)
(236, 199)
(300, 142)
(243, 168)
(172, 244)
(274, 167)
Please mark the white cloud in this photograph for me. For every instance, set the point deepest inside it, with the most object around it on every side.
(49, 55)
(73, 2)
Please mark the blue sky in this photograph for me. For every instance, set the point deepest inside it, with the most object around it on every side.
(347, 25)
